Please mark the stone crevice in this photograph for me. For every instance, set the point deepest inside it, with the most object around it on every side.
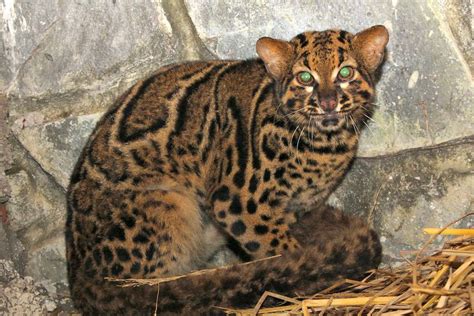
(19, 70)
(451, 143)
(183, 27)
(14, 141)
(5, 159)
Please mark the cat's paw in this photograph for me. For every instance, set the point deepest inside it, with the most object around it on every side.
(342, 238)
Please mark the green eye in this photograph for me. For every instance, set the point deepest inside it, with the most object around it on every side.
(346, 72)
(305, 77)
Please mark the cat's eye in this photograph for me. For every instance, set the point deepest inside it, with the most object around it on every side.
(345, 73)
(305, 78)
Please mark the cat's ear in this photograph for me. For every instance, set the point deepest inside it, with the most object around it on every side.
(370, 46)
(276, 54)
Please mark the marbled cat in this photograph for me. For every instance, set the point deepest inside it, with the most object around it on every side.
(240, 154)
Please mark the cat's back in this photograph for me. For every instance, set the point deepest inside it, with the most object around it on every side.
(165, 119)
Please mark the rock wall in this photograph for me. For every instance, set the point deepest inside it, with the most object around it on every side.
(62, 63)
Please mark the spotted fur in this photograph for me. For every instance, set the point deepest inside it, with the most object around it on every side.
(205, 155)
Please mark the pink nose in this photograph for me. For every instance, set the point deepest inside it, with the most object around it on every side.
(328, 104)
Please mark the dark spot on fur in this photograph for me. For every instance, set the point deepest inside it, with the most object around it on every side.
(264, 196)
(116, 231)
(253, 184)
(150, 251)
(337, 256)
(283, 157)
(122, 254)
(261, 229)
(140, 238)
(221, 194)
(279, 172)
(238, 228)
(116, 269)
(274, 203)
(365, 94)
(266, 175)
(274, 243)
(137, 253)
(135, 268)
(267, 150)
(108, 255)
(251, 206)
(229, 283)
(252, 246)
(128, 220)
(97, 256)
(236, 206)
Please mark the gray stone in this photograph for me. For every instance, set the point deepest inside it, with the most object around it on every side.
(458, 16)
(402, 194)
(11, 248)
(37, 208)
(7, 271)
(424, 79)
(47, 262)
(37, 212)
(5, 71)
(23, 296)
(4, 244)
(5, 159)
(82, 44)
(90, 52)
(56, 145)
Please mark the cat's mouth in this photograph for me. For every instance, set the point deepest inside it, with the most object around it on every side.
(330, 115)
(326, 122)
(330, 121)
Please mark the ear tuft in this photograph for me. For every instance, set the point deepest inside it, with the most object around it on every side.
(370, 46)
(276, 54)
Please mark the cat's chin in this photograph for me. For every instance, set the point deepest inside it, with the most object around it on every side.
(329, 123)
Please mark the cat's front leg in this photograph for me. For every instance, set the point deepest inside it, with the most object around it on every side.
(260, 229)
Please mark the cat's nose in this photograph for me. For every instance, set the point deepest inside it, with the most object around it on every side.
(328, 104)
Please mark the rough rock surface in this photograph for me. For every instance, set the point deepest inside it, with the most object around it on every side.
(62, 63)
(23, 296)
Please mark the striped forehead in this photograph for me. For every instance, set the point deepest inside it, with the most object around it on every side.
(322, 50)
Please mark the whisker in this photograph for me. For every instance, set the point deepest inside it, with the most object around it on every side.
(370, 130)
(371, 119)
(294, 112)
(366, 109)
(355, 126)
(311, 131)
(367, 116)
(291, 139)
(298, 142)
(277, 109)
(308, 130)
(346, 120)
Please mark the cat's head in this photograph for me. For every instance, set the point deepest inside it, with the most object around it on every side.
(325, 79)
